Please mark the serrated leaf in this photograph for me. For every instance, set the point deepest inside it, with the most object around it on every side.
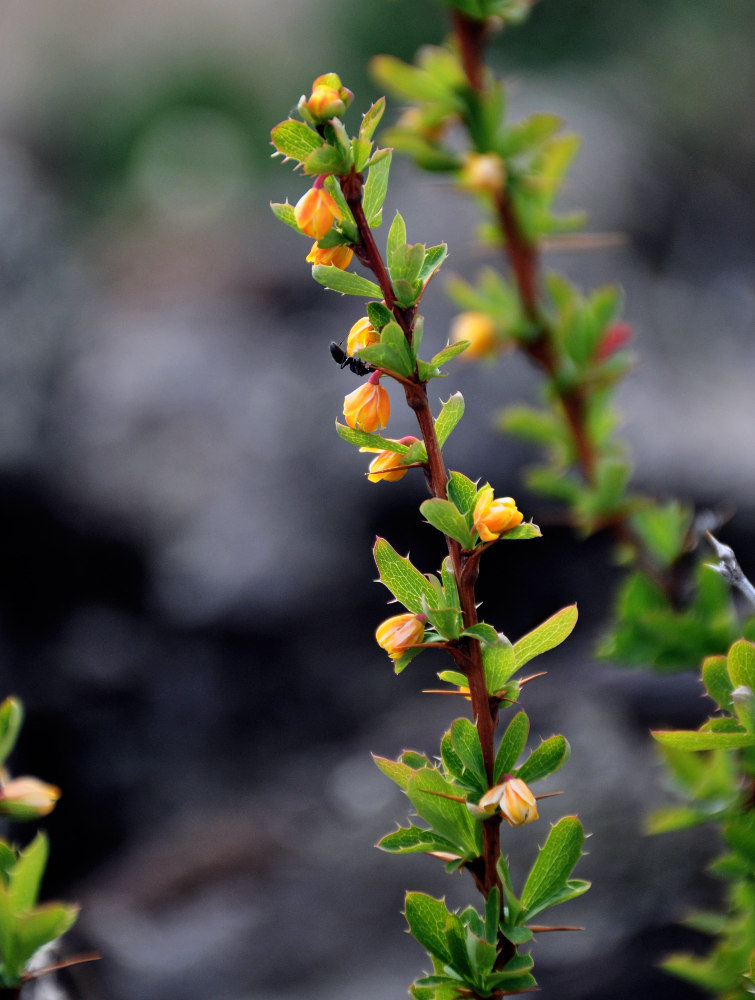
(512, 744)
(427, 790)
(295, 139)
(545, 759)
(427, 918)
(499, 664)
(444, 516)
(329, 160)
(453, 765)
(450, 414)
(572, 889)
(687, 740)
(404, 581)
(545, 636)
(372, 441)
(461, 491)
(395, 770)
(554, 863)
(11, 720)
(415, 840)
(345, 282)
(375, 189)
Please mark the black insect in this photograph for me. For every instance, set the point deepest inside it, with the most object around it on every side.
(346, 361)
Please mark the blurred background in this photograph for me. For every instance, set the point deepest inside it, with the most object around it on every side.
(186, 605)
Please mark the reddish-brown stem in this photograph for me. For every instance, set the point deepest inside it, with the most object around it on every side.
(470, 34)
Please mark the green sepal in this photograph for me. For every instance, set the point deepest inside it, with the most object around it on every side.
(378, 314)
(371, 119)
(375, 189)
(513, 743)
(690, 740)
(294, 140)
(404, 581)
(461, 491)
(485, 633)
(555, 861)
(552, 754)
(717, 681)
(449, 818)
(345, 282)
(545, 636)
(466, 743)
(11, 720)
(415, 840)
(445, 516)
(499, 664)
(365, 440)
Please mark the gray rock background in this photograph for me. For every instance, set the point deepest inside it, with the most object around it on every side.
(186, 605)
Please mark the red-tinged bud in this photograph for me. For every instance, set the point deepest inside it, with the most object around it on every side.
(615, 337)
(337, 256)
(514, 799)
(362, 334)
(388, 465)
(328, 99)
(396, 635)
(479, 329)
(368, 407)
(316, 211)
(27, 798)
(493, 516)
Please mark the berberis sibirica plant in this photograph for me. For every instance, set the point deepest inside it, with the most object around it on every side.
(478, 781)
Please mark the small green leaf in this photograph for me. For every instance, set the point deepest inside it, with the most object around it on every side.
(375, 190)
(285, 213)
(486, 634)
(466, 743)
(427, 790)
(403, 661)
(451, 413)
(33, 929)
(554, 864)
(545, 759)
(364, 440)
(499, 664)
(345, 282)
(448, 579)
(11, 720)
(404, 581)
(295, 140)
(461, 491)
(445, 621)
(688, 740)
(389, 359)
(26, 876)
(444, 516)
(545, 636)
(675, 818)
(371, 119)
(415, 840)
(434, 258)
(525, 530)
(717, 681)
(329, 160)
(395, 770)
(741, 664)
(427, 919)
(379, 315)
(396, 237)
(512, 744)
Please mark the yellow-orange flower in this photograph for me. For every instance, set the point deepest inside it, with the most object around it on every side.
(328, 98)
(27, 798)
(479, 329)
(337, 256)
(514, 799)
(494, 515)
(387, 466)
(367, 408)
(396, 635)
(316, 211)
(362, 334)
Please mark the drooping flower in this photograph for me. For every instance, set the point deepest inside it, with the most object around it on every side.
(337, 256)
(399, 633)
(479, 329)
(493, 516)
(368, 407)
(514, 799)
(316, 211)
(362, 334)
(387, 464)
(27, 798)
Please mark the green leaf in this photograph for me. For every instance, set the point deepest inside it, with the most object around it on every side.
(360, 153)
(379, 315)
(445, 621)
(371, 119)
(295, 140)
(466, 743)
(32, 930)
(572, 889)
(375, 190)
(545, 636)
(448, 353)
(451, 413)
(538, 426)
(409, 81)
(522, 531)
(345, 282)
(675, 818)
(407, 292)
(741, 664)
(444, 516)
(389, 359)
(26, 876)
(457, 946)
(396, 237)
(11, 720)
(364, 440)
(461, 491)
(395, 770)
(499, 664)
(415, 840)
(663, 528)
(717, 681)
(404, 581)
(485, 633)
(687, 740)
(451, 819)
(406, 262)
(512, 744)
(524, 135)
(285, 213)
(492, 914)
(329, 160)
(427, 918)
(434, 258)
(545, 759)
(554, 864)
(448, 579)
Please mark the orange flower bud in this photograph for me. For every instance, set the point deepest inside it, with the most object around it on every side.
(316, 211)
(368, 407)
(362, 334)
(479, 329)
(483, 172)
(494, 515)
(337, 256)
(399, 633)
(514, 799)
(328, 99)
(27, 798)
